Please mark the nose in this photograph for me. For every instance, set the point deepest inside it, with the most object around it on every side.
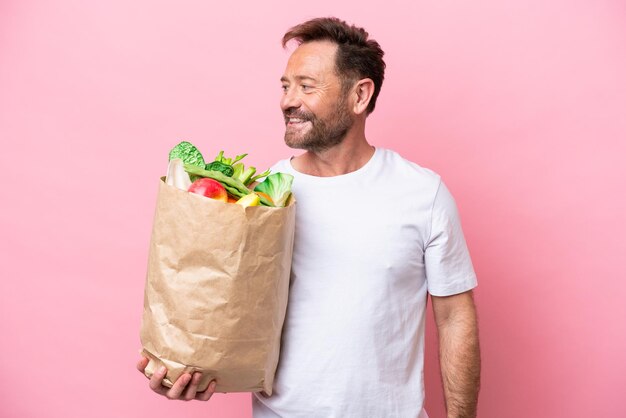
(290, 99)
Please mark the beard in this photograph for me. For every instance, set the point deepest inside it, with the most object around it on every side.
(324, 133)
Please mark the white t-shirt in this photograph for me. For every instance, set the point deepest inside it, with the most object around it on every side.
(368, 247)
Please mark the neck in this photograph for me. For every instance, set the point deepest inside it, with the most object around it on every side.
(350, 155)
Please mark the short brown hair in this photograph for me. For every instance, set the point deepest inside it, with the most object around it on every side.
(357, 56)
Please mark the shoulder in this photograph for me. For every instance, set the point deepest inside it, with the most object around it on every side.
(396, 165)
(282, 166)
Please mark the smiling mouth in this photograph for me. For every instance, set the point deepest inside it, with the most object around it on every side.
(294, 121)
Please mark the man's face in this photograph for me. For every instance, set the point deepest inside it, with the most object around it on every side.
(316, 112)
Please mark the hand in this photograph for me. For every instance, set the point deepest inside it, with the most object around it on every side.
(185, 388)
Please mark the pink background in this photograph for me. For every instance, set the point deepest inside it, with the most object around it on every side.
(519, 105)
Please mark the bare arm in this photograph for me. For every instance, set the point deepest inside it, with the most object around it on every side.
(459, 353)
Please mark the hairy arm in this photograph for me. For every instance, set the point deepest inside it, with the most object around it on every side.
(459, 353)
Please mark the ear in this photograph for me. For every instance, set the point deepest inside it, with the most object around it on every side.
(363, 92)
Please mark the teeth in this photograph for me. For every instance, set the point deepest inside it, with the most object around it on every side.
(295, 120)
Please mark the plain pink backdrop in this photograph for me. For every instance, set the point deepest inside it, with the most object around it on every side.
(519, 105)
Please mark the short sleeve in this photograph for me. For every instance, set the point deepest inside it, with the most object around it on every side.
(449, 269)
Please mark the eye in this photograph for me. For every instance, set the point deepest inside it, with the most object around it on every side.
(305, 87)
(284, 88)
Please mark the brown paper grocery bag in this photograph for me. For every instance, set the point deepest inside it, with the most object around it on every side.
(216, 290)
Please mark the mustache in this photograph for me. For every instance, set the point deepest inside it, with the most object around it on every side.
(297, 114)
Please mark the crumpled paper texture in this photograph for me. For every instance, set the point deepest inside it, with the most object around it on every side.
(216, 290)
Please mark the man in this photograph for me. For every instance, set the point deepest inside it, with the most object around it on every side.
(374, 235)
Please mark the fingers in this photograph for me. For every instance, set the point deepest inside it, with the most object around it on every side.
(206, 395)
(142, 364)
(190, 392)
(179, 386)
(185, 387)
(156, 381)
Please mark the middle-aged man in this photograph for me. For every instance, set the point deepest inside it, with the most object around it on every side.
(375, 234)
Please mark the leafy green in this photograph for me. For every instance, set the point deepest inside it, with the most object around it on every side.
(226, 169)
(233, 168)
(277, 186)
(225, 165)
(232, 185)
(239, 157)
(237, 171)
(232, 174)
(228, 161)
(246, 175)
(187, 152)
(258, 176)
(219, 176)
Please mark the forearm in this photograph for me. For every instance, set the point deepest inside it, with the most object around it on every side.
(459, 356)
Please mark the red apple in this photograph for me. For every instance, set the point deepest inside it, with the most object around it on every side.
(209, 188)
